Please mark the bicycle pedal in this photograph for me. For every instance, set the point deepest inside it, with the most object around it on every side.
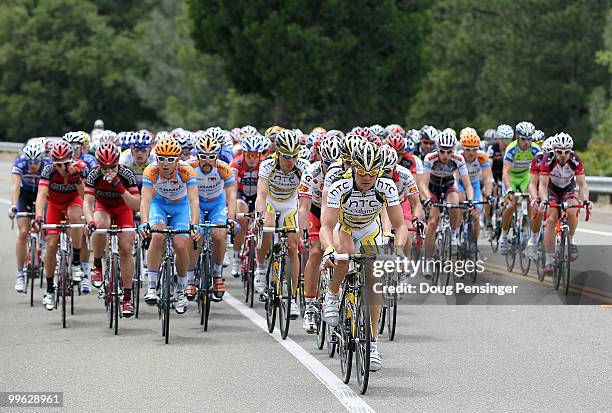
(263, 298)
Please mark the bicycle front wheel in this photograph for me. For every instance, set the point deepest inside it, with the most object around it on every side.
(284, 297)
(167, 279)
(270, 305)
(524, 260)
(392, 308)
(115, 294)
(561, 262)
(136, 283)
(64, 280)
(566, 269)
(363, 339)
(446, 254)
(345, 341)
(251, 273)
(206, 295)
(511, 254)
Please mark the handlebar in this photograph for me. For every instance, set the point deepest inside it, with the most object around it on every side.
(355, 257)
(113, 230)
(274, 230)
(62, 226)
(564, 206)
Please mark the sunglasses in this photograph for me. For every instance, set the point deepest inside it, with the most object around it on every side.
(363, 172)
(428, 143)
(65, 163)
(445, 151)
(34, 161)
(76, 147)
(470, 149)
(108, 167)
(524, 138)
(289, 155)
(328, 163)
(207, 156)
(252, 155)
(562, 152)
(168, 159)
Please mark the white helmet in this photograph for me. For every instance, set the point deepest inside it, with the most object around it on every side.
(505, 132)
(563, 141)
(525, 129)
(446, 139)
(330, 149)
(34, 151)
(548, 144)
(99, 124)
(388, 157)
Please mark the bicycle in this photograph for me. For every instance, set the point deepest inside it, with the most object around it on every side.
(204, 268)
(324, 331)
(303, 256)
(517, 242)
(112, 288)
(247, 258)
(278, 292)
(443, 252)
(64, 285)
(497, 210)
(468, 245)
(33, 266)
(562, 273)
(167, 280)
(353, 333)
(138, 252)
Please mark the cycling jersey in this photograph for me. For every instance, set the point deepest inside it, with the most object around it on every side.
(106, 195)
(534, 168)
(520, 159)
(62, 189)
(358, 209)
(171, 189)
(413, 163)
(29, 179)
(226, 154)
(283, 187)
(334, 171)
(497, 156)
(246, 179)
(311, 185)
(443, 174)
(212, 184)
(89, 160)
(475, 167)
(561, 176)
(405, 183)
(127, 159)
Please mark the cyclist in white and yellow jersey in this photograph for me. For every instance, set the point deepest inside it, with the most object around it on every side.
(277, 191)
(355, 201)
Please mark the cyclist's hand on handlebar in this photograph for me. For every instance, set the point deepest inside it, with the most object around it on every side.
(509, 194)
(12, 211)
(427, 203)
(91, 227)
(327, 261)
(37, 224)
(544, 204)
(196, 232)
(144, 230)
(535, 203)
(587, 204)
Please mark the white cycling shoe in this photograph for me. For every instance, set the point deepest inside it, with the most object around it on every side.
(260, 281)
(180, 302)
(331, 309)
(49, 301)
(294, 312)
(20, 284)
(151, 296)
(375, 359)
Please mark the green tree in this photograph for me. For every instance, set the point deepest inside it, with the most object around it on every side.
(62, 67)
(336, 63)
(511, 60)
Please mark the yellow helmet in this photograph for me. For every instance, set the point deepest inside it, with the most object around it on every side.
(273, 130)
(168, 147)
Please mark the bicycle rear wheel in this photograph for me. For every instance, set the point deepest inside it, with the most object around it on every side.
(345, 341)
(383, 317)
(251, 273)
(63, 286)
(447, 255)
(540, 260)
(561, 262)
(115, 293)
(206, 295)
(321, 325)
(363, 339)
(472, 249)
(270, 296)
(330, 340)
(524, 260)
(392, 307)
(284, 297)
(511, 254)
(167, 301)
(566, 269)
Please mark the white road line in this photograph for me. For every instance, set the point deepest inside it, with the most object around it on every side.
(590, 231)
(351, 401)
(5, 201)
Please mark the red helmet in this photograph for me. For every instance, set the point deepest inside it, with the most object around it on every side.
(364, 133)
(107, 154)
(61, 150)
(396, 141)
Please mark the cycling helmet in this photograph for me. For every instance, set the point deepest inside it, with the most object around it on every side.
(394, 127)
(446, 140)
(319, 130)
(248, 130)
(349, 143)
(184, 139)
(74, 138)
(168, 147)
(207, 144)
(161, 134)
(465, 132)
(366, 156)
(334, 134)
(125, 140)
(142, 140)
(252, 143)
(396, 141)
(99, 124)
(489, 134)
(272, 131)
(266, 143)
(377, 130)
(525, 130)
(287, 143)
(504, 132)
(330, 149)
(304, 152)
(388, 157)
(34, 151)
(61, 150)
(108, 136)
(469, 138)
(107, 154)
(429, 133)
(176, 132)
(451, 130)
(563, 141)
(413, 135)
(549, 143)
(236, 135)
(538, 136)
(364, 133)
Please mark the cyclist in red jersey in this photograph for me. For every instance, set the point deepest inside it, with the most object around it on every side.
(560, 171)
(60, 189)
(113, 190)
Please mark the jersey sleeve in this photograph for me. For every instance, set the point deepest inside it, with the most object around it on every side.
(188, 174)
(510, 151)
(579, 169)
(534, 168)
(90, 181)
(129, 180)
(336, 190)
(419, 165)
(149, 175)
(461, 165)
(305, 189)
(17, 166)
(225, 172)
(483, 158)
(265, 169)
(428, 163)
(545, 165)
(45, 175)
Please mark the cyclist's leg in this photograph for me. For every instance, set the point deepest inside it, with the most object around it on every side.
(25, 203)
(311, 269)
(289, 220)
(157, 219)
(510, 206)
(407, 210)
(53, 216)
(432, 221)
(550, 232)
(180, 221)
(343, 244)
(124, 218)
(266, 241)
(367, 241)
(218, 215)
(102, 219)
(241, 207)
(478, 208)
(74, 212)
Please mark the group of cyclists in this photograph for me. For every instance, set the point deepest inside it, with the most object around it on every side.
(346, 191)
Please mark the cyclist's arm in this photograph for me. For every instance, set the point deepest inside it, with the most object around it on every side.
(305, 204)
(396, 216)
(583, 191)
(469, 190)
(194, 203)
(41, 199)
(386, 224)
(543, 186)
(81, 189)
(326, 233)
(132, 200)
(415, 205)
(88, 207)
(487, 177)
(424, 188)
(506, 174)
(263, 187)
(230, 196)
(533, 185)
(146, 195)
(323, 202)
(16, 190)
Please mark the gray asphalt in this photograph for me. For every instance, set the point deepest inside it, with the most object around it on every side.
(444, 358)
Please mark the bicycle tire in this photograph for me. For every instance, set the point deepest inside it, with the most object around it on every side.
(167, 281)
(330, 341)
(472, 249)
(345, 344)
(540, 260)
(383, 317)
(511, 254)
(558, 272)
(138, 274)
(524, 260)
(284, 298)
(363, 339)
(392, 310)
(270, 299)
(251, 273)
(207, 282)
(567, 268)
(62, 287)
(321, 325)
(115, 275)
(31, 270)
(447, 256)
